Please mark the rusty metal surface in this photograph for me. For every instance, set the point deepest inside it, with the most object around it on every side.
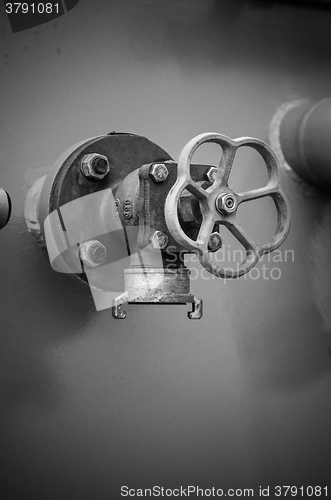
(125, 153)
(71, 179)
(153, 284)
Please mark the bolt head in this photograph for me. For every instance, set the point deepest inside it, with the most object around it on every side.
(210, 175)
(159, 240)
(93, 253)
(215, 242)
(159, 172)
(226, 203)
(94, 166)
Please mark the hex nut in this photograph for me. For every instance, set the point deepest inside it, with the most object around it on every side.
(226, 203)
(158, 172)
(215, 242)
(94, 166)
(159, 240)
(210, 175)
(93, 253)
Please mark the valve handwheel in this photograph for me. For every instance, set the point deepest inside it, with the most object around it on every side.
(219, 203)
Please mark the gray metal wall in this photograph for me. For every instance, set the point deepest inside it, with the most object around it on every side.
(237, 400)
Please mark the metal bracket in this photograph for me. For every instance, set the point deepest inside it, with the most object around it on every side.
(197, 304)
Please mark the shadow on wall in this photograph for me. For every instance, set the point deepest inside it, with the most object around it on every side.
(37, 300)
(287, 341)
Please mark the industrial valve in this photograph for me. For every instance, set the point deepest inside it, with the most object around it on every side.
(119, 205)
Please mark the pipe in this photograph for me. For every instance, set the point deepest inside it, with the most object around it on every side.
(305, 140)
(5, 208)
